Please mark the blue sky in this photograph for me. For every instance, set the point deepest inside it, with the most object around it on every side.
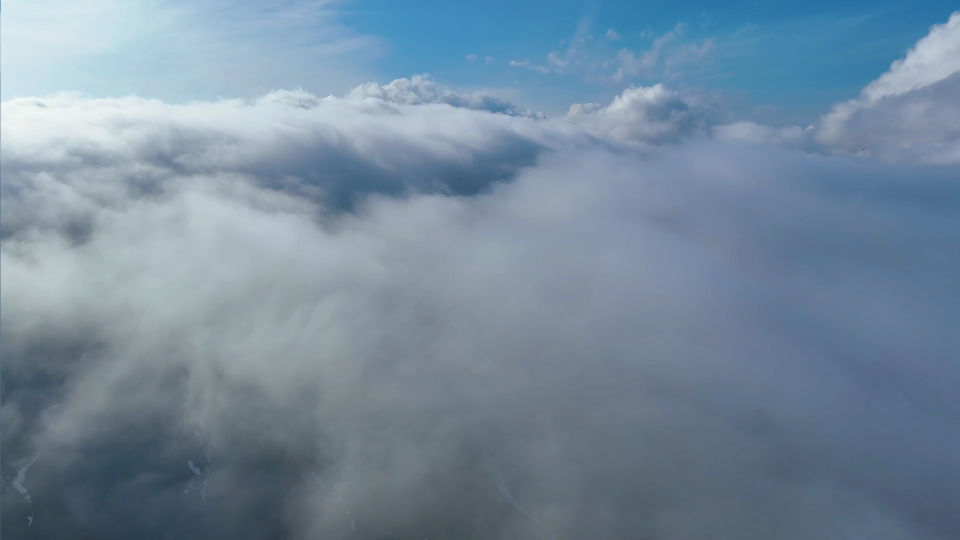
(776, 61)
(792, 54)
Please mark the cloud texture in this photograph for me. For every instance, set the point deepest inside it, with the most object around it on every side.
(401, 315)
(912, 111)
(652, 115)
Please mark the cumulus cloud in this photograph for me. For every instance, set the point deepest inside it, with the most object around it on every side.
(421, 89)
(649, 115)
(910, 114)
(413, 312)
(912, 111)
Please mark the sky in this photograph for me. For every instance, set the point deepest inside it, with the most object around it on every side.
(791, 54)
(778, 61)
(296, 270)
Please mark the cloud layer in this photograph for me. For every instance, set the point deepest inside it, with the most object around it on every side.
(403, 313)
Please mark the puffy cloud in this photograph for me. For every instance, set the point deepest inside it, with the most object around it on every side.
(649, 115)
(421, 89)
(517, 327)
(910, 113)
(933, 59)
(472, 57)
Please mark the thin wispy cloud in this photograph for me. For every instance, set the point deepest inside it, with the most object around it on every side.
(179, 49)
(526, 64)
(662, 57)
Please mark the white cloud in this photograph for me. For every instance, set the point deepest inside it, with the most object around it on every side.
(648, 115)
(910, 112)
(489, 60)
(526, 64)
(706, 339)
(666, 53)
(934, 58)
(472, 57)
(789, 136)
(421, 89)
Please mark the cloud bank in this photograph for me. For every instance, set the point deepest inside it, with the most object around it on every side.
(404, 313)
(911, 111)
